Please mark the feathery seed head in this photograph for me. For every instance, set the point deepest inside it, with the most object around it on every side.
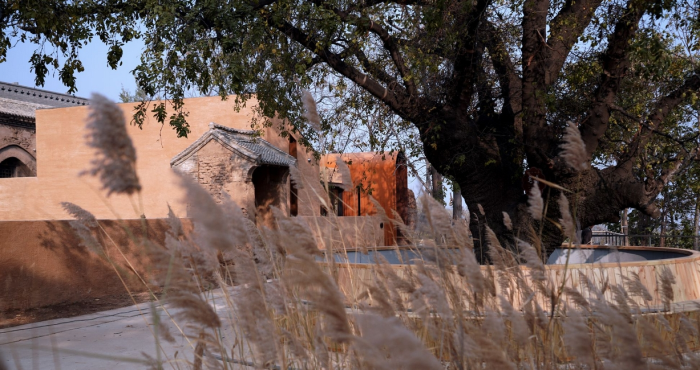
(345, 174)
(507, 222)
(80, 214)
(567, 222)
(311, 113)
(535, 202)
(116, 157)
(574, 150)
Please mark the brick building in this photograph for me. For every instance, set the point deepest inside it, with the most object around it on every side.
(18, 105)
(43, 150)
(42, 146)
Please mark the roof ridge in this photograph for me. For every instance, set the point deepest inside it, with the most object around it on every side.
(17, 89)
(260, 150)
(213, 125)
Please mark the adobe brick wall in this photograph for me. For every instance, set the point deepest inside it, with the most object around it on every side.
(20, 136)
(62, 154)
(42, 262)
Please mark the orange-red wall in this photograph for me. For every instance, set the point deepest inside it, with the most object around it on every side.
(377, 175)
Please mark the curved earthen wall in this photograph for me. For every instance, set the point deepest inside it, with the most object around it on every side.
(354, 277)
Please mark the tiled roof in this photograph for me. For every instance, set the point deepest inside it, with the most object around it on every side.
(244, 142)
(38, 96)
(20, 108)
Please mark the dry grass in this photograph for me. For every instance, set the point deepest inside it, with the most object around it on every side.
(284, 309)
(287, 311)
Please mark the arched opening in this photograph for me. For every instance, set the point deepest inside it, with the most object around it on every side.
(13, 167)
(270, 183)
(16, 162)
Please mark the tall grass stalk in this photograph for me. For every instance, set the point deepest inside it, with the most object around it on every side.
(284, 301)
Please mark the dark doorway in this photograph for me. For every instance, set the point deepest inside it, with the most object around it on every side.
(13, 167)
(270, 183)
(337, 201)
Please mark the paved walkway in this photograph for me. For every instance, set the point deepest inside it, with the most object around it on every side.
(115, 339)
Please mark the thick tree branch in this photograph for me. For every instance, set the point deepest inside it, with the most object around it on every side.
(505, 70)
(389, 42)
(564, 31)
(396, 98)
(533, 84)
(615, 64)
(658, 114)
(373, 69)
(466, 64)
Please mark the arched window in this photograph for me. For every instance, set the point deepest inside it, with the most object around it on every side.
(13, 167)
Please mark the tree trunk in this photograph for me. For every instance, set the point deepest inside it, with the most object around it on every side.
(624, 228)
(438, 192)
(456, 201)
(493, 179)
(428, 176)
(696, 221)
(662, 235)
(696, 224)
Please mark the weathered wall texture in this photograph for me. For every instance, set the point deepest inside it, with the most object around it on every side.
(382, 176)
(218, 171)
(62, 154)
(18, 142)
(20, 136)
(43, 262)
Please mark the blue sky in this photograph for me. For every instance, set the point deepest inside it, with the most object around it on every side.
(97, 77)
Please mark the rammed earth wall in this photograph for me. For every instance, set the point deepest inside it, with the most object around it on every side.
(43, 263)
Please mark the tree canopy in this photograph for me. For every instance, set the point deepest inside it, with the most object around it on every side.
(485, 87)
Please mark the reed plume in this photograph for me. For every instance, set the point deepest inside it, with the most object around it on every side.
(80, 214)
(566, 221)
(535, 202)
(84, 220)
(115, 161)
(296, 178)
(310, 111)
(507, 222)
(345, 174)
(667, 280)
(573, 148)
(388, 344)
(220, 228)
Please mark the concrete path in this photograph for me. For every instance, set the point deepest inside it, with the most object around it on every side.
(115, 339)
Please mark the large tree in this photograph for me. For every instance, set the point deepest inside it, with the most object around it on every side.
(487, 85)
